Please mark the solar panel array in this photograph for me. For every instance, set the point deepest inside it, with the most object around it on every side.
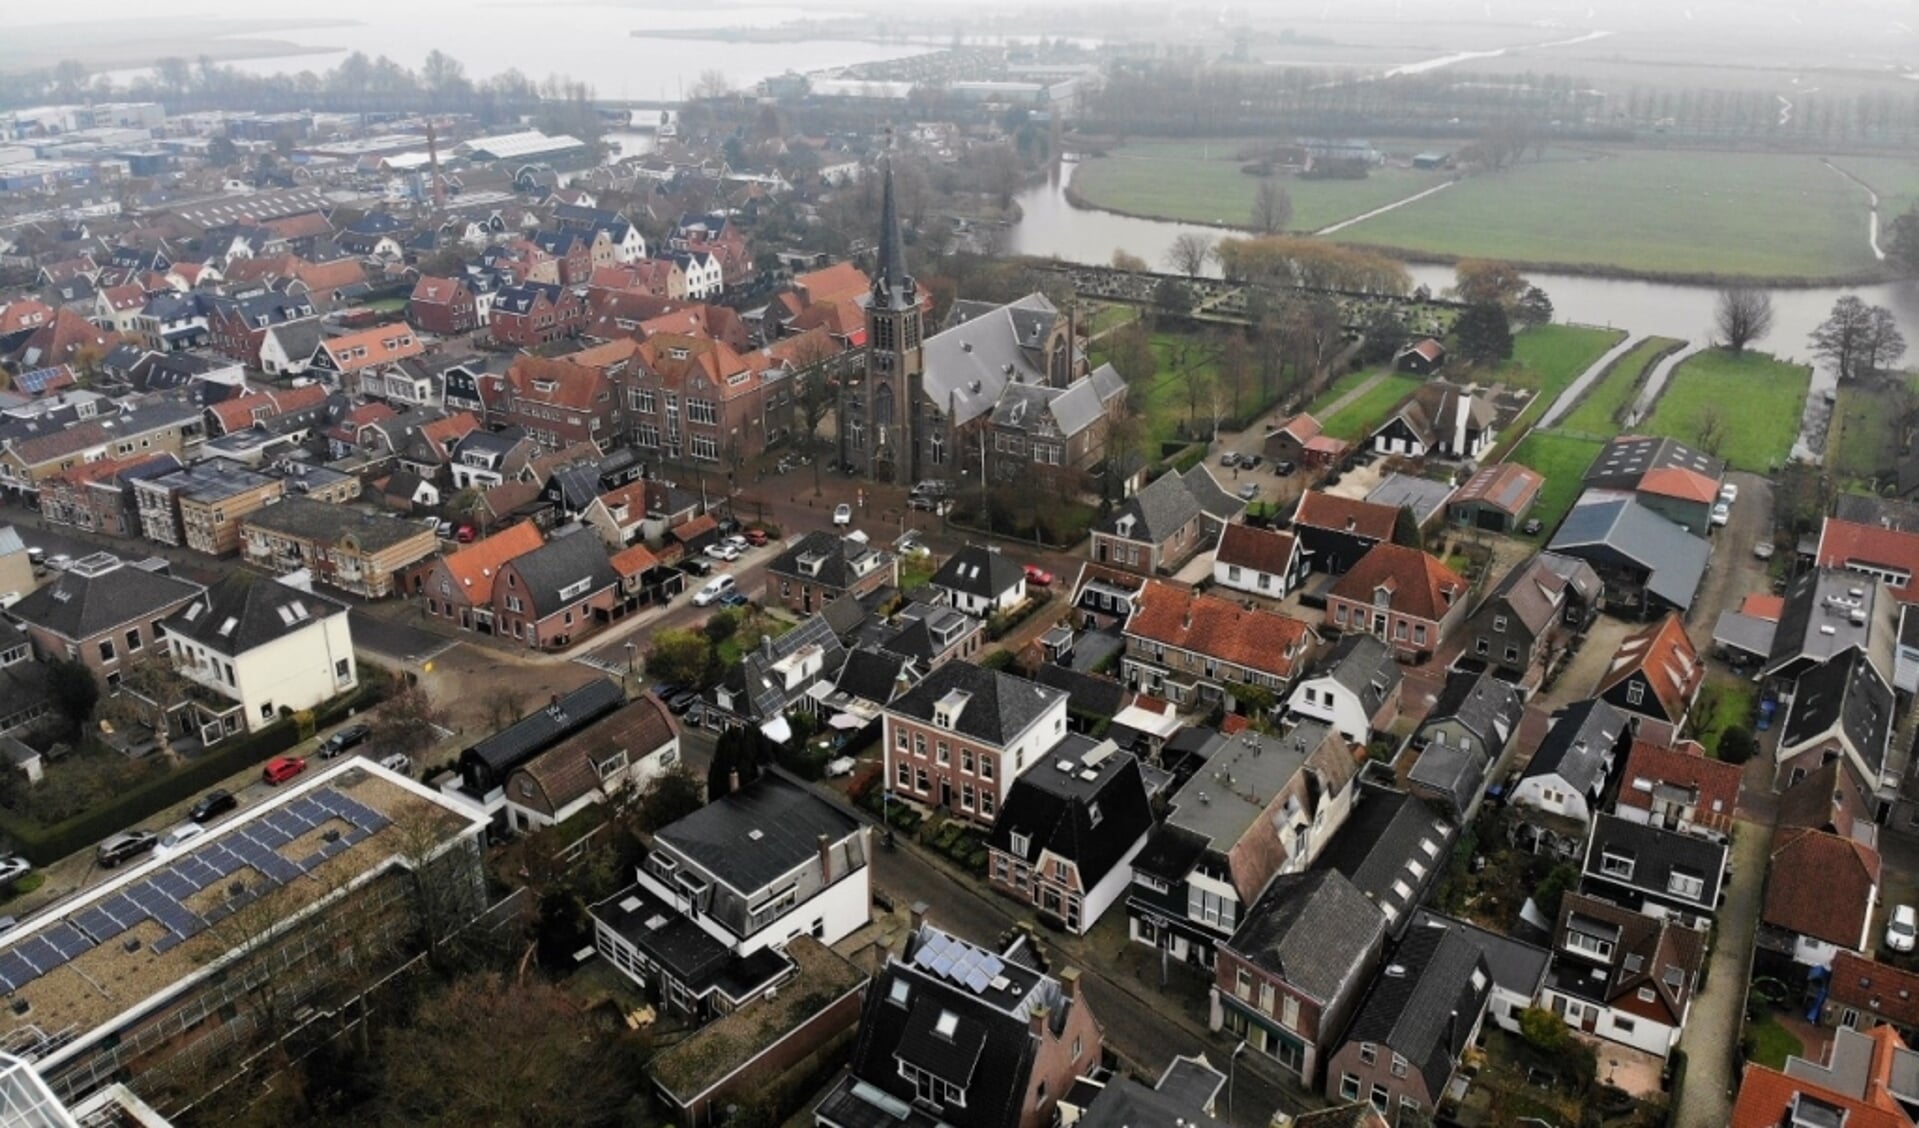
(162, 896)
(959, 961)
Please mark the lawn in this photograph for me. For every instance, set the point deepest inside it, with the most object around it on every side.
(1772, 1043)
(1757, 399)
(1724, 702)
(1165, 400)
(1863, 443)
(1358, 419)
(1201, 182)
(1550, 357)
(1341, 387)
(1598, 413)
(1563, 459)
(1662, 212)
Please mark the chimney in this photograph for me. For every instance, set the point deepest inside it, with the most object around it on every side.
(916, 915)
(1069, 982)
(766, 647)
(732, 781)
(1036, 1019)
(826, 860)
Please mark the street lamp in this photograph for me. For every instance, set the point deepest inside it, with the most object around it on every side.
(629, 666)
(1232, 1061)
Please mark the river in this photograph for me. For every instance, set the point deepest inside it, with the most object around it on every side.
(1051, 227)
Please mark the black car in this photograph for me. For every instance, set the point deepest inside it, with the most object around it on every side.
(680, 702)
(697, 566)
(351, 736)
(1249, 462)
(211, 804)
(1284, 468)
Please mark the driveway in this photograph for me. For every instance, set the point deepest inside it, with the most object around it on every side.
(1713, 1029)
(1733, 572)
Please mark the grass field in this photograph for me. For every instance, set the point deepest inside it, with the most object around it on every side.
(1550, 357)
(1862, 444)
(1770, 215)
(1726, 701)
(1563, 459)
(1358, 418)
(1896, 181)
(1200, 181)
(1340, 387)
(1759, 401)
(1597, 413)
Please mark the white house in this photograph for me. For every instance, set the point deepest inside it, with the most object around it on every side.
(1567, 776)
(265, 644)
(287, 349)
(703, 276)
(1258, 561)
(1622, 975)
(1356, 692)
(981, 581)
(627, 751)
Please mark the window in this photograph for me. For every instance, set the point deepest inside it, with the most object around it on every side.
(966, 796)
(342, 670)
(919, 745)
(1381, 1098)
(1616, 865)
(1368, 1053)
(905, 774)
(1021, 843)
(986, 804)
(1399, 1066)
(1499, 622)
(1243, 986)
(1348, 1087)
(966, 760)
(1266, 998)
(1512, 654)
(1591, 945)
(1480, 647)
(703, 446)
(1626, 1025)
(1419, 634)
(986, 767)
(1647, 994)
(133, 640)
(106, 650)
(1688, 885)
(1289, 1012)
(1635, 693)
(921, 782)
(943, 754)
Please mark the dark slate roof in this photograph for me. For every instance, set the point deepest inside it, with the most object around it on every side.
(1125, 1103)
(1088, 694)
(1885, 512)
(1425, 1002)
(1391, 839)
(1486, 706)
(1656, 853)
(319, 521)
(247, 610)
(540, 730)
(872, 675)
(1576, 748)
(1093, 822)
(1516, 966)
(549, 569)
(1315, 930)
(762, 689)
(758, 834)
(1846, 692)
(99, 593)
(1628, 458)
(978, 571)
(838, 559)
(999, 706)
(1673, 557)
(1158, 510)
(686, 950)
(1452, 771)
(1362, 665)
(1171, 852)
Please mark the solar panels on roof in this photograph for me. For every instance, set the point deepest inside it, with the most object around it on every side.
(954, 959)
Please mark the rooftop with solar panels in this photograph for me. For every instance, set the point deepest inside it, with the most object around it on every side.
(133, 938)
(996, 980)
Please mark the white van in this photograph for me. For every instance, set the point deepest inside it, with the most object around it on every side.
(717, 586)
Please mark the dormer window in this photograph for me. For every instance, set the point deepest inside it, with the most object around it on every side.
(1615, 864)
(947, 710)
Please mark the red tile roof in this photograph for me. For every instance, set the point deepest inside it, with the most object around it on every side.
(1761, 605)
(1821, 885)
(1685, 766)
(1672, 666)
(1262, 550)
(1302, 427)
(1417, 584)
(1346, 514)
(383, 344)
(437, 291)
(834, 283)
(632, 561)
(1204, 624)
(1875, 989)
(1766, 1097)
(476, 566)
(23, 314)
(1843, 544)
(1507, 485)
(1675, 481)
(122, 298)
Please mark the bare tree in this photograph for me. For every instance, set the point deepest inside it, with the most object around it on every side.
(1709, 428)
(1189, 253)
(409, 721)
(1744, 315)
(1272, 207)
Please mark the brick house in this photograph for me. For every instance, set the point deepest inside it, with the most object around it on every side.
(1196, 649)
(459, 586)
(356, 552)
(529, 315)
(1164, 524)
(1655, 677)
(569, 399)
(99, 495)
(824, 566)
(445, 306)
(1423, 1011)
(1294, 970)
(163, 427)
(1683, 789)
(556, 594)
(1065, 838)
(1404, 597)
(1334, 532)
(1626, 976)
(201, 506)
(691, 397)
(958, 739)
(238, 327)
(341, 360)
(101, 611)
(572, 250)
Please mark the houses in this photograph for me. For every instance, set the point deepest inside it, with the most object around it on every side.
(1414, 1025)
(459, 586)
(1533, 615)
(1680, 789)
(556, 594)
(822, 566)
(1623, 975)
(1654, 677)
(1356, 691)
(1334, 531)
(1293, 973)
(960, 738)
(1563, 783)
(1066, 836)
(1863, 992)
(341, 360)
(484, 767)
(1820, 892)
(270, 648)
(1828, 614)
(1890, 556)
(101, 612)
(1198, 650)
(1496, 498)
(775, 677)
(1023, 1038)
(1262, 805)
(570, 399)
(1421, 358)
(238, 326)
(1649, 565)
(532, 314)
(1658, 871)
(1402, 596)
(1518, 969)
(1462, 737)
(1666, 476)
(202, 506)
(1258, 561)
(623, 752)
(44, 448)
(1393, 848)
(981, 581)
(361, 553)
(1163, 525)
(1288, 442)
(1439, 420)
(1861, 1083)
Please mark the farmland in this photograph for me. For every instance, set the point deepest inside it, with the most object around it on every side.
(1753, 400)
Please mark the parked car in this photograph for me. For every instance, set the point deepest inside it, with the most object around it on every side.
(840, 766)
(680, 702)
(1902, 927)
(723, 551)
(1763, 550)
(1230, 458)
(283, 768)
(464, 534)
(756, 537)
(1531, 527)
(734, 598)
(1249, 462)
(1721, 513)
(694, 566)
(443, 530)
(1729, 492)
(59, 561)
(212, 804)
(177, 838)
(398, 762)
(13, 867)
(1249, 491)
(717, 586)
(347, 738)
(1038, 576)
(739, 541)
(842, 514)
(1284, 468)
(126, 845)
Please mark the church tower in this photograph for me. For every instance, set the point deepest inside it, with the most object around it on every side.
(893, 363)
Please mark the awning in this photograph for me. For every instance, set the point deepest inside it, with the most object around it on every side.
(777, 730)
(846, 721)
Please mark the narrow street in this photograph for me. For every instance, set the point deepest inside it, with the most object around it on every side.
(1713, 1029)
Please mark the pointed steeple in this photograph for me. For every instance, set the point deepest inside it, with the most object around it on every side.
(892, 287)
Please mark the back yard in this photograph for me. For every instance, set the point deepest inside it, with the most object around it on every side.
(1743, 408)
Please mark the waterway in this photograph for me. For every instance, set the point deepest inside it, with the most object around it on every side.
(1051, 227)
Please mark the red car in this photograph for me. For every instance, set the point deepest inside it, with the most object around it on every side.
(755, 537)
(464, 534)
(283, 768)
(1038, 576)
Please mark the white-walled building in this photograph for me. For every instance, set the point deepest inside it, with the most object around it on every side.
(264, 644)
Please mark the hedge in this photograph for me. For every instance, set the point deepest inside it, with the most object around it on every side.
(44, 845)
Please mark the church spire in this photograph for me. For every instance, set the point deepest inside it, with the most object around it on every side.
(892, 288)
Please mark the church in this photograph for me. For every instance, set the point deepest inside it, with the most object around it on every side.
(1005, 387)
